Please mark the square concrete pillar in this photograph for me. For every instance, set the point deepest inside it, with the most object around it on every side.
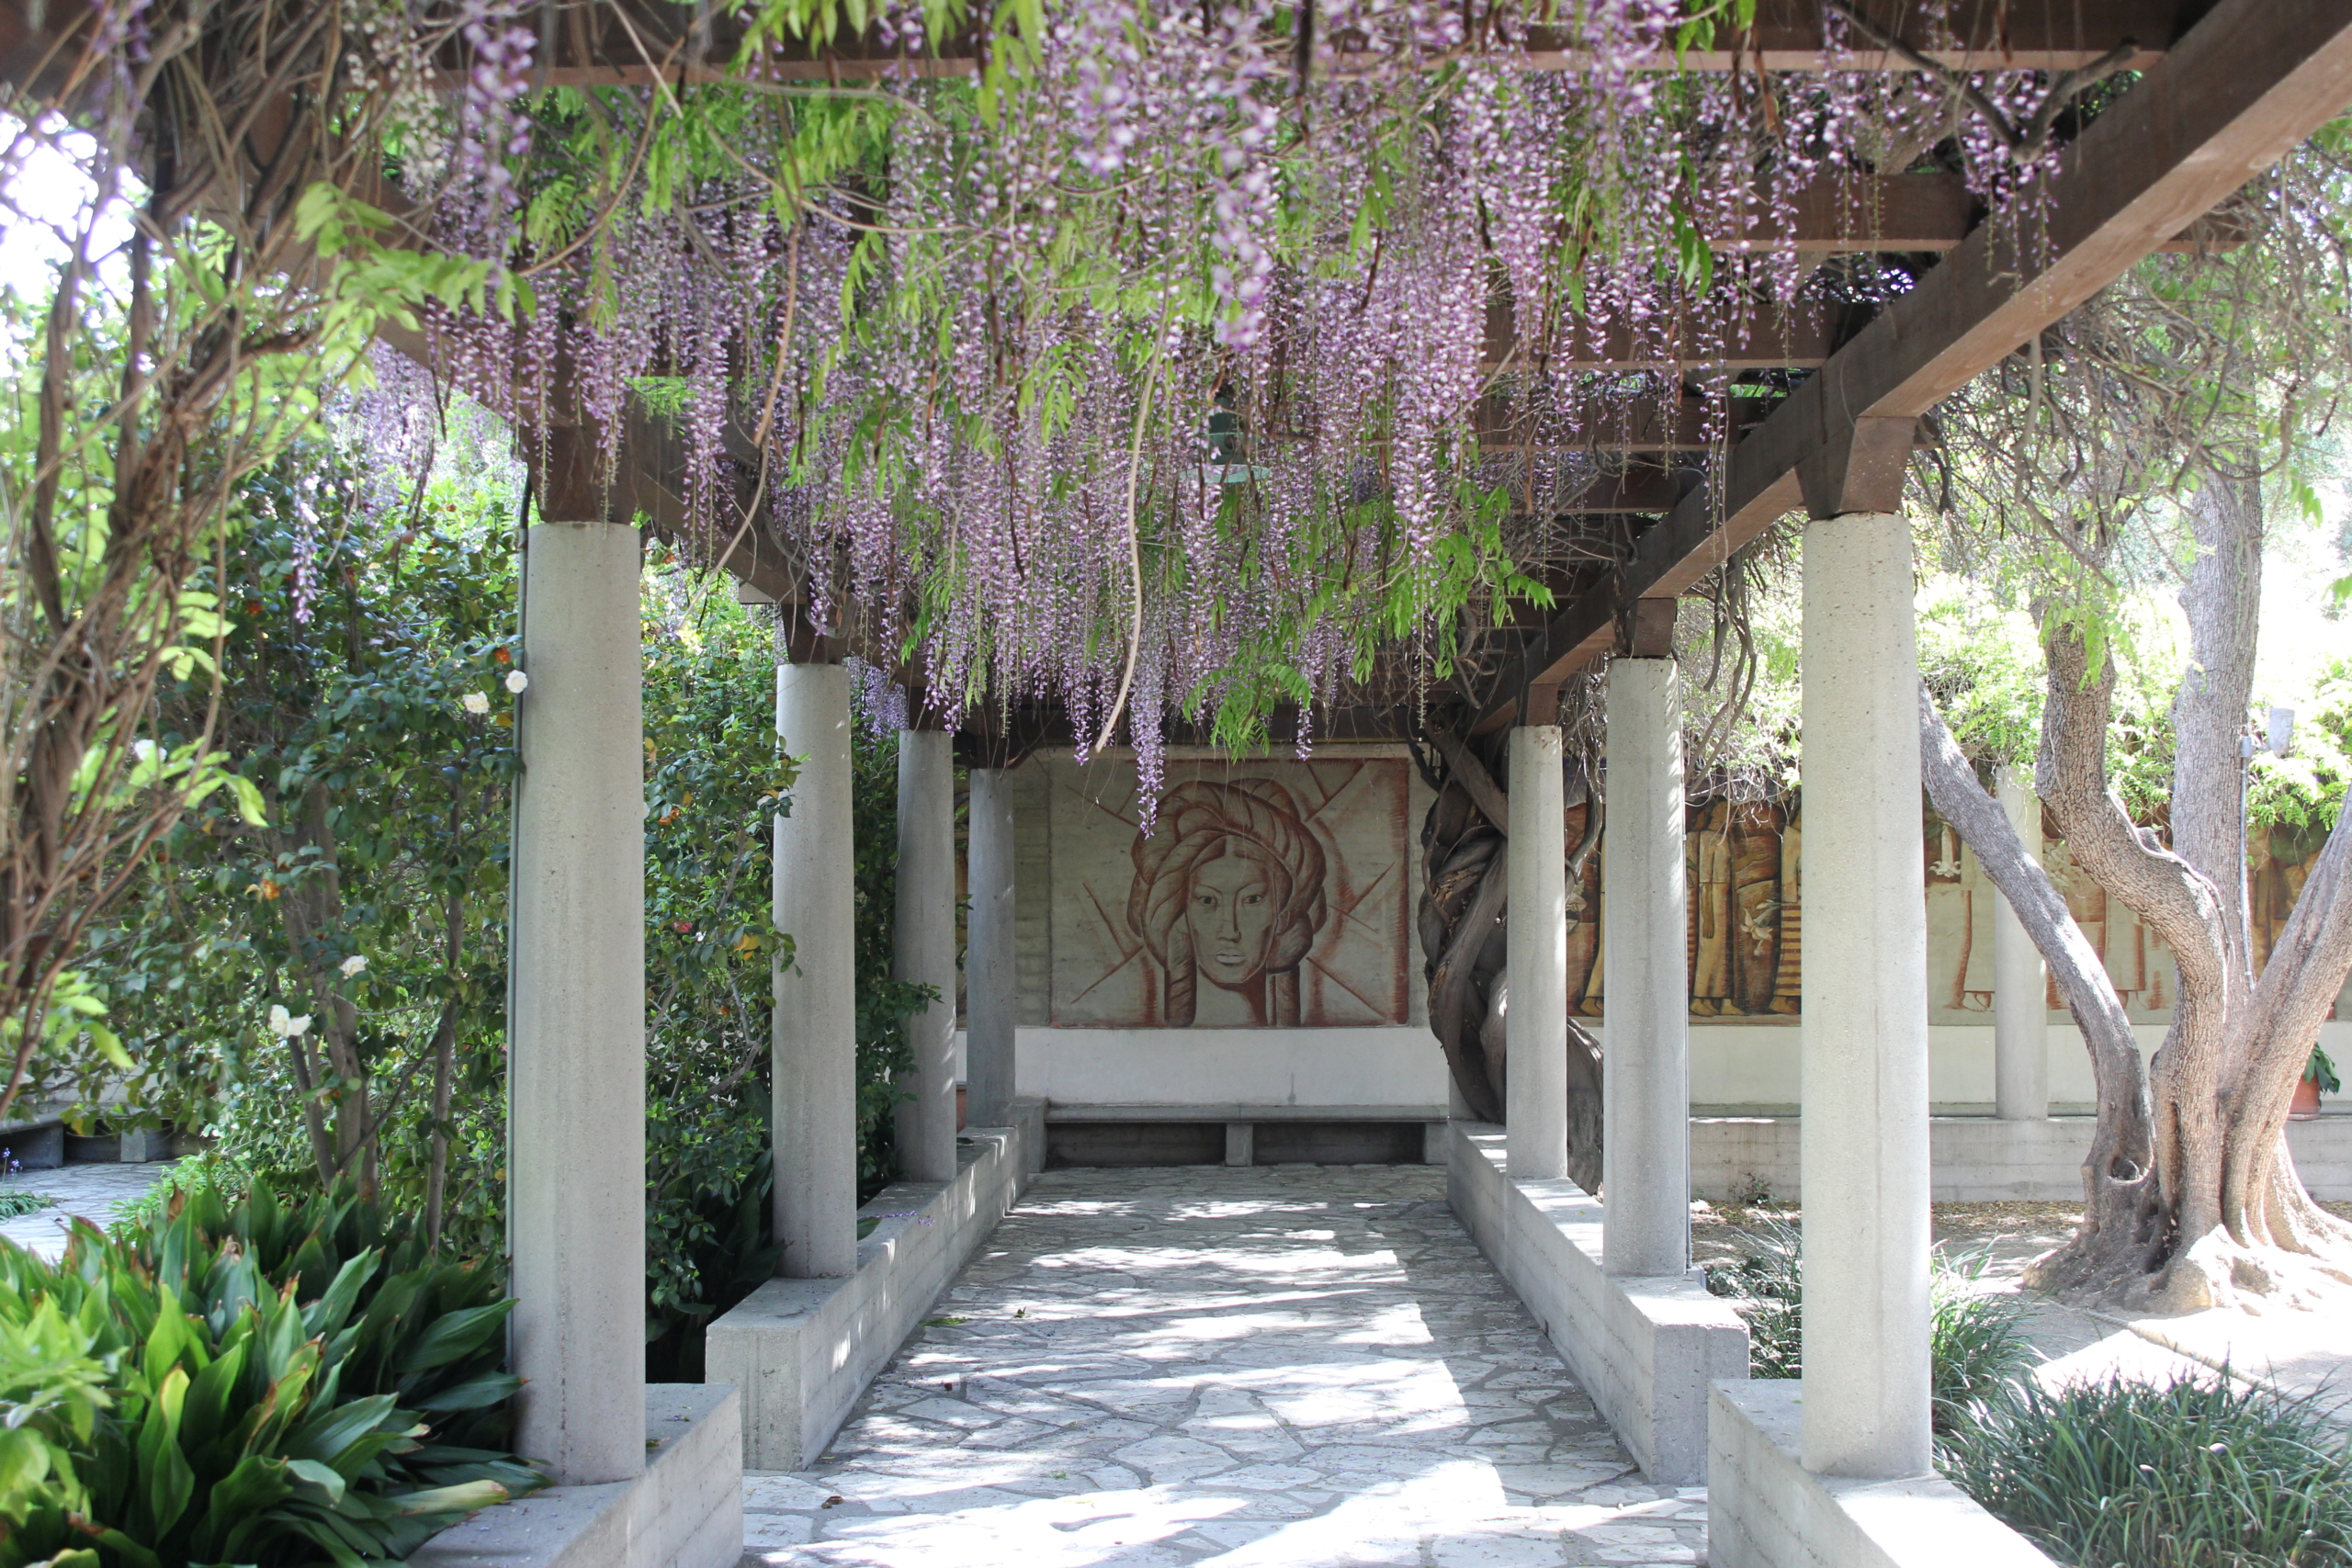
(814, 1027)
(1240, 1142)
(2020, 981)
(925, 952)
(576, 1032)
(988, 979)
(1646, 1084)
(1863, 1152)
(1536, 1087)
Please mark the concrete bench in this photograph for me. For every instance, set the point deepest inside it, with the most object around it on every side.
(1243, 1134)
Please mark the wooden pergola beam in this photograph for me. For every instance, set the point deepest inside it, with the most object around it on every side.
(2252, 80)
(1771, 338)
(585, 44)
(1931, 212)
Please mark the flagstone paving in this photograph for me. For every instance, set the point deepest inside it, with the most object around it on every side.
(92, 1193)
(1288, 1365)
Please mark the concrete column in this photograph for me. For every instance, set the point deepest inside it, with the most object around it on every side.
(576, 1042)
(814, 1031)
(1645, 1087)
(1240, 1142)
(925, 952)
(1536, 1028)
(987, 956)
(1864, 1159)
(2020, 984)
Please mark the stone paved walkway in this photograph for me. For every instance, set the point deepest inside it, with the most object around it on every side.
(88, 1191)
(1249, 1367)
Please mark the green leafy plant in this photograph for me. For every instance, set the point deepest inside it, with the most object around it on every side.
(258, 1383)
(2194, 1473)
(1976, 1339)
(1767, 1288)
(2320, 1070)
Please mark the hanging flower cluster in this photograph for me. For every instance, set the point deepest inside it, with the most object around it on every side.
(1228, 361)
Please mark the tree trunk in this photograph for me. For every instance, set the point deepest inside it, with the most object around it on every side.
(2224, 603)
(445, 1062)
(312, 907)
(2124, 1228)
(1464, 924)
(2231, 1217)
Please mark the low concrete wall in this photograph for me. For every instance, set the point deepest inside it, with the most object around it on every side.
(1646, 1349)
(802, 1350)
(1973, 1159)
(685, 1511)
(1765, 1510)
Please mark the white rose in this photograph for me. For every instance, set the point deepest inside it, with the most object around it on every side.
(474, 702)
(285, 1026)
(354, 964)
(516, 681)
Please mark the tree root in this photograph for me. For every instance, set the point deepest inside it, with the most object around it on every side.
(2138, 1268)
(2217, 1270)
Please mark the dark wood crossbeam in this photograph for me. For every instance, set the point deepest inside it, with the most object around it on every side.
(1849, 213)
(598, 43)
(1861, 213)
(2250, 80)
(1770, 338)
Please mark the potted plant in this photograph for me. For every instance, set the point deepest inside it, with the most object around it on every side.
(2319, 1078)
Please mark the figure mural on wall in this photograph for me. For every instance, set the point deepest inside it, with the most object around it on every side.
(1274, 895)
(1951, 923)
(1231, 891)
(1707, 864)
(1583, 920)
(1270, 894)
(1788, 978)
(1756, 905)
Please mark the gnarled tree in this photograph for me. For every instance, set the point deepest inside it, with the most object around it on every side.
(1464, 926)
(2130, 443)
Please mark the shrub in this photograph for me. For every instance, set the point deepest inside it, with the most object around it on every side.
(252, 1383)
(2187, 1474)
(1767, 1288)
(1975, 1340)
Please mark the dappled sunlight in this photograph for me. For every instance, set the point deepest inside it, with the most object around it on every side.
(1163, 1372)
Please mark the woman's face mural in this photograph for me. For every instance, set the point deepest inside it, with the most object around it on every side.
(1232, 912)
(1230, 889)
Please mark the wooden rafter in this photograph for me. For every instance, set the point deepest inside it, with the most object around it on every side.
(2250, 80)
(1771, 338)
(1920, 212)
(584, 43)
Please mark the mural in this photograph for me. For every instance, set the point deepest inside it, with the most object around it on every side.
(1275, 895)
(1272, 895)
(1742, 865)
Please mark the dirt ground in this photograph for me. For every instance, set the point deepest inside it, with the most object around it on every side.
(2010, 1235)
(2013, 1234)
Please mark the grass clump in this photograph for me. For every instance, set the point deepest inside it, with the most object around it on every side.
(1977, 1340)
(2187, 1474)
(1767, 1288)
(15, 1203)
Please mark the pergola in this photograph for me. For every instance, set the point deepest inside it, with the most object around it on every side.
(2226, 91)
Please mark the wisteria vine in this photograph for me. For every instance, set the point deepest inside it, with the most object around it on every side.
(1215, 369)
